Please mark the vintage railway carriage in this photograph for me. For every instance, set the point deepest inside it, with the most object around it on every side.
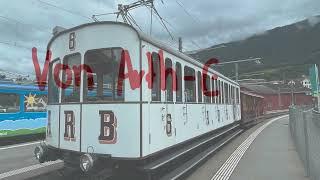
(122, 94)
(252, 106)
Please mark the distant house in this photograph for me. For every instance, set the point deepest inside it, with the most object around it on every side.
(303, 81)
(306, 83)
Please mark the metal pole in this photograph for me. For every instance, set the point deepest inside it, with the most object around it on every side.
(291, 83)
(279, 97)
(237, 71)
(292, 103)
(318, 102)
(291, 95)
(180, 44)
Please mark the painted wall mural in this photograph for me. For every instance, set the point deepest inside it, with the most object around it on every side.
(22, 112)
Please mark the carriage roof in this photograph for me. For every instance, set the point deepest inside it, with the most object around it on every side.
(251, 94)
(148, 39)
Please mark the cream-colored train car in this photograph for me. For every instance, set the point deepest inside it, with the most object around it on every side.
(117, 94)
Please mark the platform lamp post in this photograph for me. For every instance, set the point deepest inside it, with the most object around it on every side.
(292, 83)
(236, 63)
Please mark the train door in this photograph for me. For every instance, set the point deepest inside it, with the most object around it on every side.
(70, 118)
(53, 110)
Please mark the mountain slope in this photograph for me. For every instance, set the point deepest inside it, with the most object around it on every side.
(294, 45)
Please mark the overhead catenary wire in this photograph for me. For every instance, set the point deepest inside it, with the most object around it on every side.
(162, 22)
(133, 20)
(174, 35)
(40, 28)
(151, 13)
(65, 10)
(20, 46)
(195, 19)
(123, 11)
(189, 14)
(173, 28)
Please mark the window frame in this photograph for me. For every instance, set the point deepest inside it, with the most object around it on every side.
(171, 78)
(223, 93)
(179, 86)
(207, 99)
(194, 97)
(114, 90)
(73, 79)
(158, 76)
(219, 91)
(226, 93)
(51, 78)
(213, 90)
(199, 87)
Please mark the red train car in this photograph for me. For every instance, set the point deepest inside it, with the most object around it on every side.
(252, 106)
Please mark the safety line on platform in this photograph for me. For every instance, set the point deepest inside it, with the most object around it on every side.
(19, 145)
(27, 169)
(225, 171)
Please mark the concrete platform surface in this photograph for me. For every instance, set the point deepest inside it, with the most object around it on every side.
(271, 156)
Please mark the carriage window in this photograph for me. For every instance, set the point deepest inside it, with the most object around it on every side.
(207, 85)
(169, 92)
(233, 95)
(189, 84)
(222, 93)
(199, 78)
(179, 83)
(219, 91)
(213, 90)
(72, 92)
(35, 102)
(104, 64)
(53, 88)
(237, 96)
(156, 91)
(9, 103)
(226, 93)
(230, 94)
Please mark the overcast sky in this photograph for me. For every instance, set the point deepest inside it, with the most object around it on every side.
(28, 23)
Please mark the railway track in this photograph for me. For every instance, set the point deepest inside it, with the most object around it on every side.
(176, 165)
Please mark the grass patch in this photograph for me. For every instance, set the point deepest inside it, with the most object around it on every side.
(10, 133)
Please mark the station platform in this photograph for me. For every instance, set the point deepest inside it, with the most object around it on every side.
(268, 154)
